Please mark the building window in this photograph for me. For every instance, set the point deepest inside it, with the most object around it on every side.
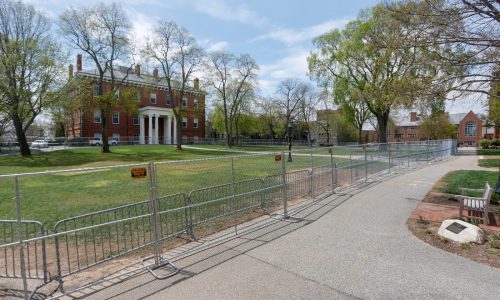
(184, 122)
(152, 96)
(399, 135)
(97, 135)
(97, 116)
(135, 119)
(388, 133)
(412, 135)
(470, 129)
(116, 117)
(195, 122)
(117, 93)
(184, 102)
(138, 95)
(168, 99)
(195, 103)
(97, 90)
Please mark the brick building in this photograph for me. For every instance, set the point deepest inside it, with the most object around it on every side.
(403, 129)
(469, 128)
(154, 123)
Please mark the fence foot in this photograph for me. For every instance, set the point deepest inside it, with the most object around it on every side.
(290, 219)
(163, 263)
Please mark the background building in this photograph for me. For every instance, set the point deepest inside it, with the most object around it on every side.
(154, 120)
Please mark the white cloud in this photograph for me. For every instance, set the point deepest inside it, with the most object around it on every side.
(218, 46)
(293, 65)
(221, 10)
(291, 36)
(142, 25)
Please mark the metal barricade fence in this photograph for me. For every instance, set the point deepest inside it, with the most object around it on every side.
(170, 199)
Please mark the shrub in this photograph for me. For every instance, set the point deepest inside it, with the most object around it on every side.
(485, 144)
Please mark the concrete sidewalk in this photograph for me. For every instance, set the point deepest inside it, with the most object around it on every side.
(354, 245)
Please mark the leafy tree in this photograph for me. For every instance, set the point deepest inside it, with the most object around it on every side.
(178, 55)
(233, 81)
(436, 127)
(270, 119)
(29, 66)
(308, 100)
(376, 56)
(101, 32)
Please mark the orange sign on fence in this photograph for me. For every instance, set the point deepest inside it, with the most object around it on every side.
(138, 172)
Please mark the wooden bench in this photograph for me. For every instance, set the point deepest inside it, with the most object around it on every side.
(477, 207)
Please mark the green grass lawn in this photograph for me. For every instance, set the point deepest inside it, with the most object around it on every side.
(489, 163)
(488, 151)
(52, 197)
(453, 181)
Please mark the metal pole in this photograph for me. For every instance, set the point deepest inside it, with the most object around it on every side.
(389, 151)
(333, 169)
(154, 210)
(366, 164)
(232, 175)
(283, 180)
(311, 181)
(20, 237)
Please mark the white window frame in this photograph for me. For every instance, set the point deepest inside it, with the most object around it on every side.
(195, 122)
(97, 89)
(195, 104)
(184, 102)
(97, 115)
(184, 122)
(168, 100)
(135, 119)
(117, 117)
(152, 96)
(470, 130)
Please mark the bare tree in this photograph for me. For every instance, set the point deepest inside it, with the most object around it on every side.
(288, 99)
(472, 25)
(178, 56)
(101, 32)
(308, 100)
(233, 80)
(29, 66)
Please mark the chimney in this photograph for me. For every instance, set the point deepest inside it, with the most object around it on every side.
(155, 73)
(70, 70)
(79, 63)
(413, 117)
(196, 84)
(138, 70)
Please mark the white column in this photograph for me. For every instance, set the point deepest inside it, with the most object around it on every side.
(156, 130)
(165, 133)
(175, 130)
(141, 129)
(150, 129)
(168, 121)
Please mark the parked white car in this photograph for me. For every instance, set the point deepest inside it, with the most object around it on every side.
(98, 142)
(40, 144)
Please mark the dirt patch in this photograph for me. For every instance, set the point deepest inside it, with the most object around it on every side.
(488, 253)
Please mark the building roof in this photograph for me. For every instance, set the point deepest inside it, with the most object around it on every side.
(456, 118)
(142, 80)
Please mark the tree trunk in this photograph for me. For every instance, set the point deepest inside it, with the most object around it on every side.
(21, 135)
(179, 133)
(105, 139)
(360, 135)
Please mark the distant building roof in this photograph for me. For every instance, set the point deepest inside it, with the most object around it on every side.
(132, 78)
(456, 118)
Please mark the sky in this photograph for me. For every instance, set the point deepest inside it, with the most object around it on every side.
(276, 33)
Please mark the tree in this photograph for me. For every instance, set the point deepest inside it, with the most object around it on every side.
(472, 25)
(29, 66)
(377, 57)
(178, 56)
(288, 99)
(233, 80)
(270, 118)
(436, 127)
(101, 32)
(308, 100)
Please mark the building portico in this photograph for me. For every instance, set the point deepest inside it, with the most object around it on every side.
(154, 114)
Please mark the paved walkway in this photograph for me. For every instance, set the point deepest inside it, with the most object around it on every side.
(354, 245)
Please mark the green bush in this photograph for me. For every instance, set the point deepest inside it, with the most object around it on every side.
(485, 144)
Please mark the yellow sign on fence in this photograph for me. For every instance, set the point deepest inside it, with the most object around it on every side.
(138, 172)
